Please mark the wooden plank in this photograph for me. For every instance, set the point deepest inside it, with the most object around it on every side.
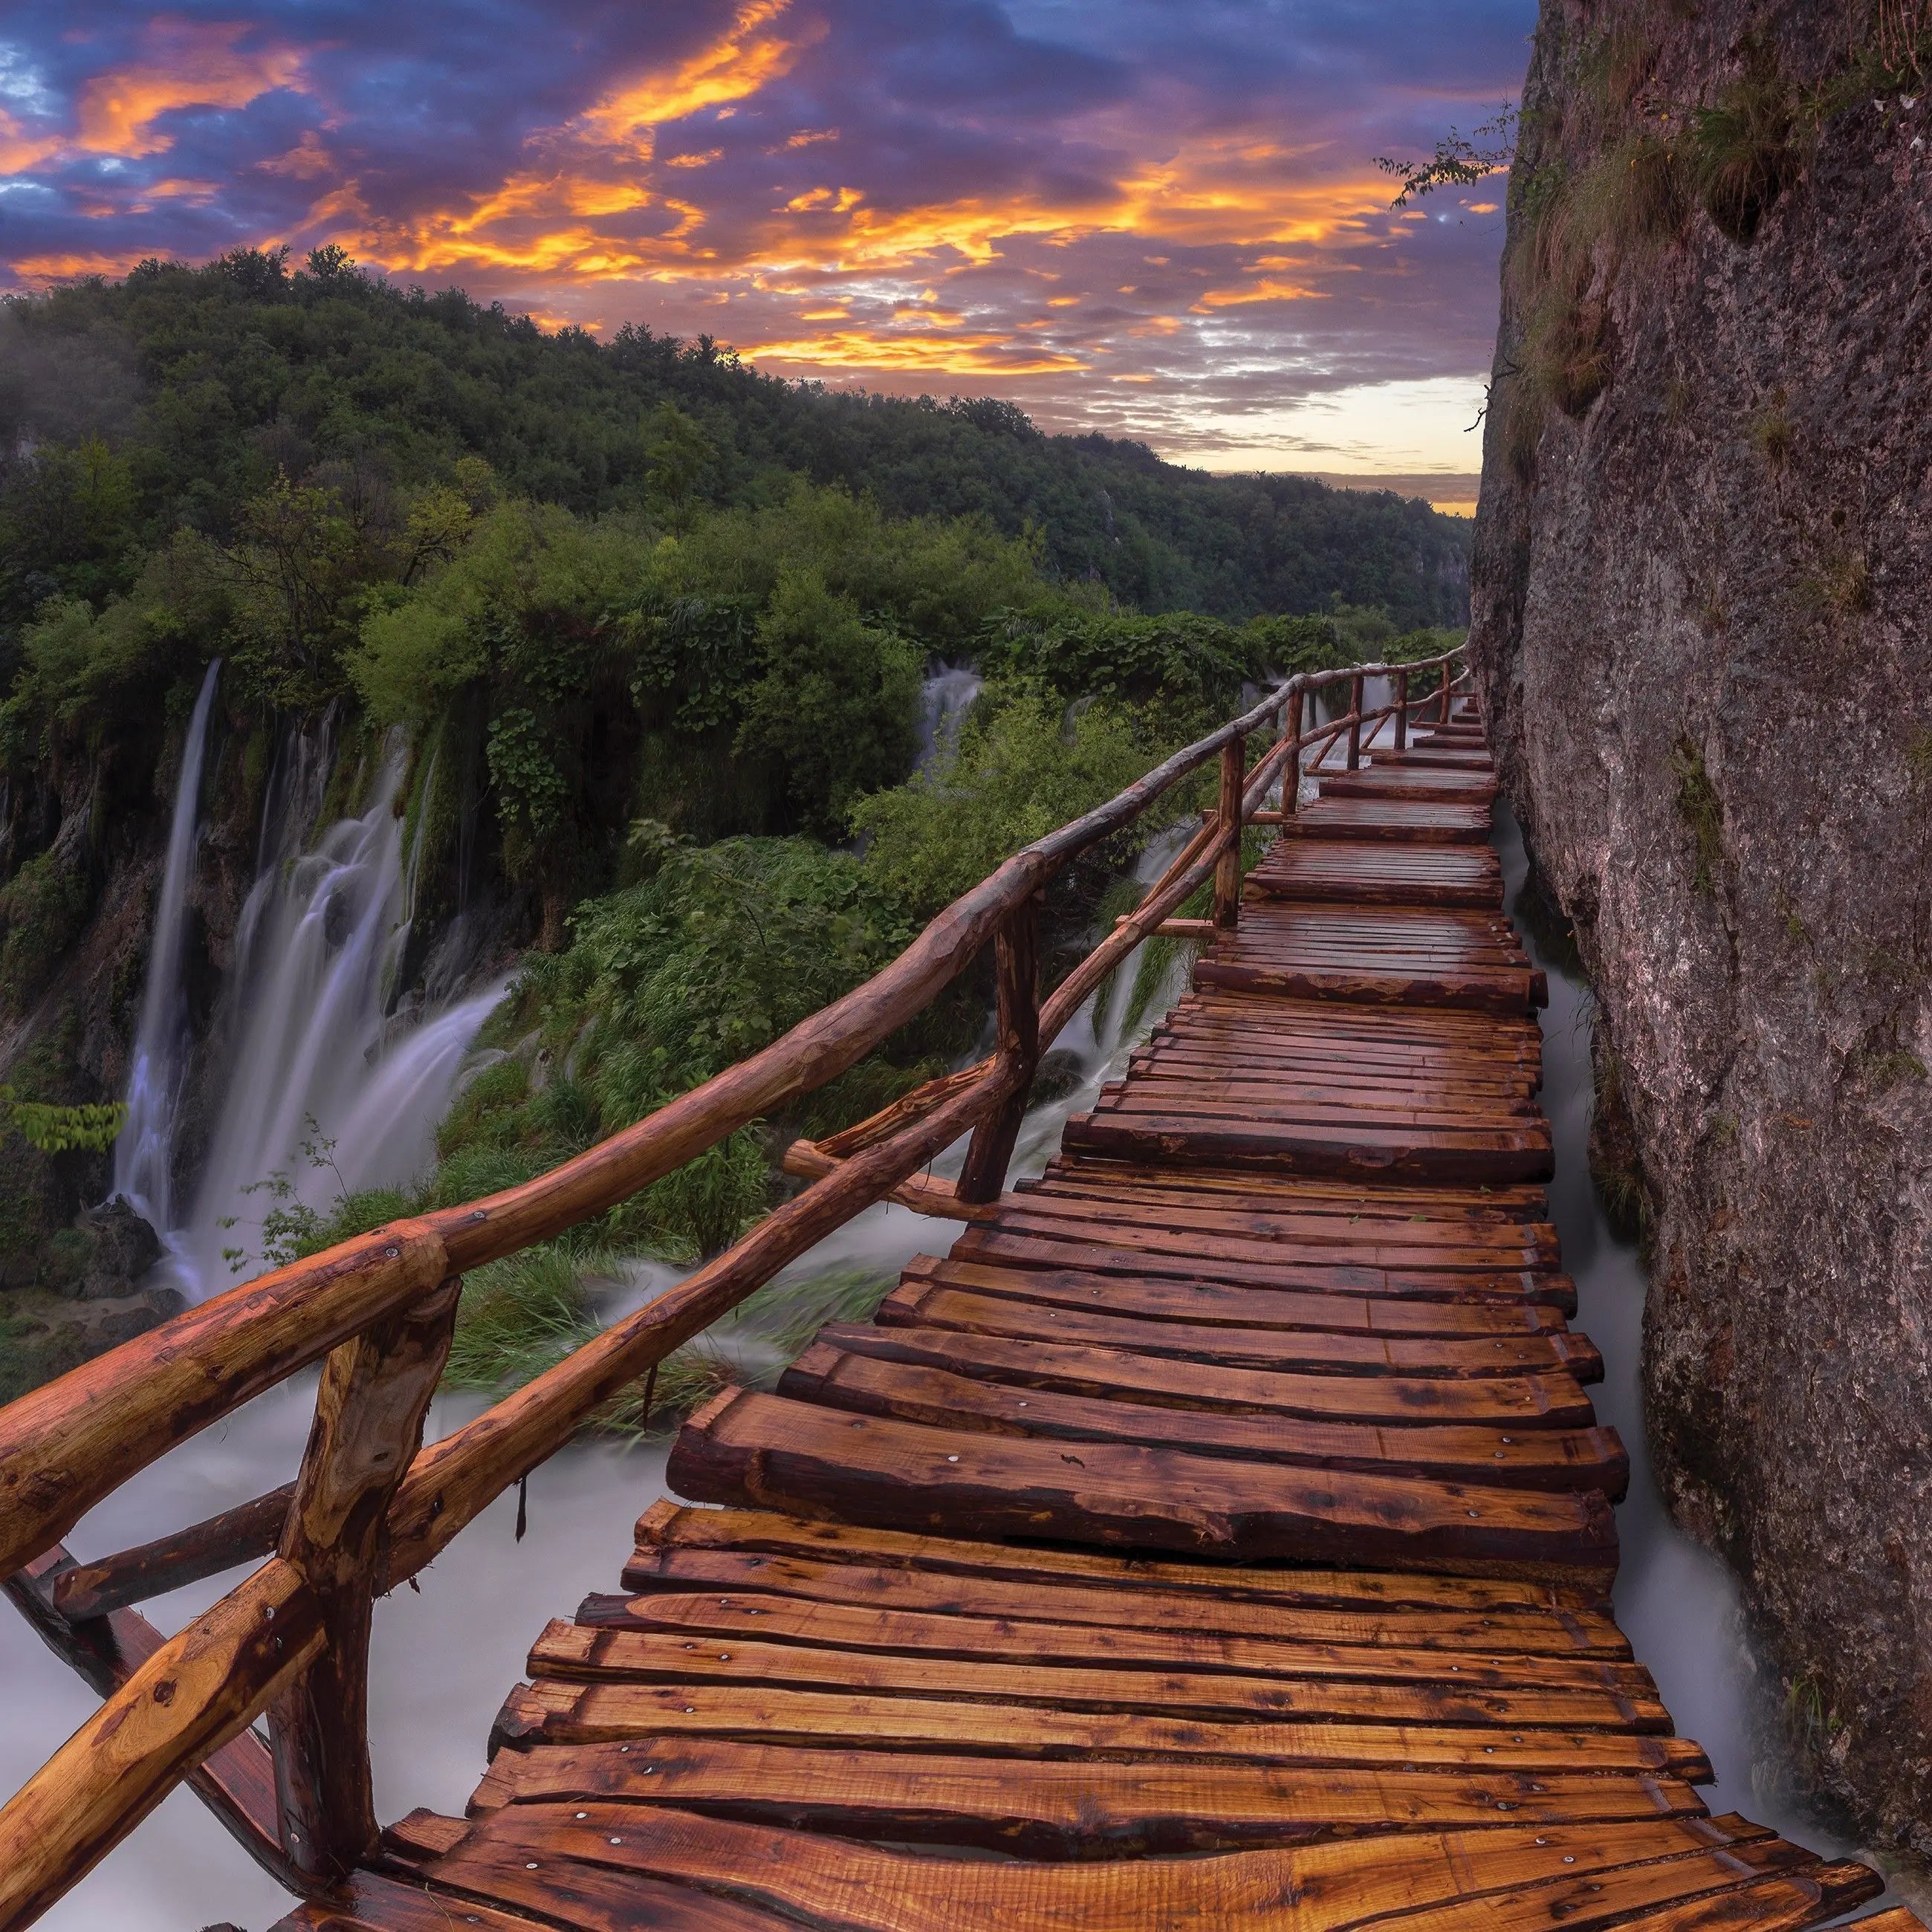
(588, 1685)
(744, 1448)
(1511, 1403)
(833, 1882)
(964, 1634)
(1535, 1459)
(1041, 1808)
(1205, 1303)
(1287, 1351)
(1533, 1632)
(671, 1525)
(1142, 1255)
(1424, 1153)
(529, 1766)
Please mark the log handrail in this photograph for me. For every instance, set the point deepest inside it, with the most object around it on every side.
(291, 1639)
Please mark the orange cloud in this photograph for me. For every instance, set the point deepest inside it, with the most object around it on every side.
(805, 136)
(306, 159)
(191, 65)
(956, 355)
(20, 151)
(1266, 290)
(735, 66)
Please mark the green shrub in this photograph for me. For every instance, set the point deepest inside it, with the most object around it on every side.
(1745, 149)
(1018, 773)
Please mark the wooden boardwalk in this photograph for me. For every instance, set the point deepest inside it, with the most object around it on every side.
(1221, 1534)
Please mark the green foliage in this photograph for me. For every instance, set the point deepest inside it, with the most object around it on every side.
(838, 707)
(193, 390)
(1699, 805)
(1747, 147)
(1459, 161)
(93, 1126)
(1019, 772)
(42, 909)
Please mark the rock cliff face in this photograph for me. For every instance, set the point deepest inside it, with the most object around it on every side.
(1703, 621)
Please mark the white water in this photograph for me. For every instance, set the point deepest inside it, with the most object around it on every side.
(1678, 1604)
(946, 697)
(313, 1055)
(144, 1153)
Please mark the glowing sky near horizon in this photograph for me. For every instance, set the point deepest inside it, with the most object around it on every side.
(1156, 218)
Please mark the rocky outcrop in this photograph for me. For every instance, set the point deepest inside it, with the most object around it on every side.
(1703, 621)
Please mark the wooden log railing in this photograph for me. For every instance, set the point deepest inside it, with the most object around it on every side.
(370, 1506)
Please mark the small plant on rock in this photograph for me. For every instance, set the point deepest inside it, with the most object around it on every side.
(1745, 147)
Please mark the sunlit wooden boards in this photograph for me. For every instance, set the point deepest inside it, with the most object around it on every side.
(1413, 821)
(1376, 955)
(1238, 1078)
(1315, 870)
(631, 1863)
(1290, 1300)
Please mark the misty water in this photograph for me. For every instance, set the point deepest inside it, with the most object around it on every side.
(319, 937)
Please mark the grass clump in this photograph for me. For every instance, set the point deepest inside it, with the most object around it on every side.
(1700, 808)
(1746, 148)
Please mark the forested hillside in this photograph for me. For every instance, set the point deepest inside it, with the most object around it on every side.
(601, 671)
(207, 382)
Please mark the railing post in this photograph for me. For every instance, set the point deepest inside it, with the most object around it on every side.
(1227, 868)
(1355, 724)
(1401, 711)
(1291, 782)
(369, 1410)
(1016, 956)
(1442, 704)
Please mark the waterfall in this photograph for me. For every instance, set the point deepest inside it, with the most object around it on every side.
(944, 701)
(144, 1153)
(314, 1056)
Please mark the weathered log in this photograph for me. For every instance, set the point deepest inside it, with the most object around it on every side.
(65, 1446)
(236, 1781)
(368, 1426)
(198, 1691)
(451, 1483)
(248, 1530)
(924, 1193)
(1017, 960)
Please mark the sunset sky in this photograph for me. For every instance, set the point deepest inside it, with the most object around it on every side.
(1159, 218)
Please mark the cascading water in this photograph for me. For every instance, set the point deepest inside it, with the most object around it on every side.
(319, 1098)
(311, 1066)
(946, 697)
(144, 1153)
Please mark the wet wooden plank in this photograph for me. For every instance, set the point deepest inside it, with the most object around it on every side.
(829, 1881)
(745, 1448)
(685, 1572)
(1592, 1459)
(1509, 1403)
(533, 1765)
(588, 1685)
(1421, 1153)
(1212, 1303)
(1285, 1350)
(1042, 1808)
(670, 1525)
(1142, 1255)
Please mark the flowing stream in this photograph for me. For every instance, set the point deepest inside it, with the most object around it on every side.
(1677, 1603)
(325, 1092)
(144, 1153)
